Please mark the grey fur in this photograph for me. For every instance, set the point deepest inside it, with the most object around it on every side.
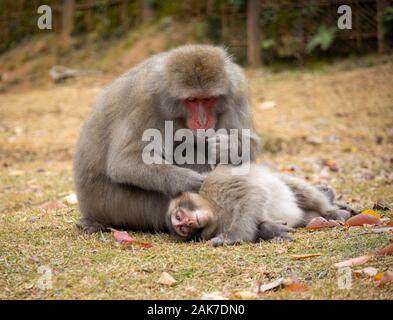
(240, 207)
(114, 187)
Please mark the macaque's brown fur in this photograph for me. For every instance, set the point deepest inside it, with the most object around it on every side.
(114, 187)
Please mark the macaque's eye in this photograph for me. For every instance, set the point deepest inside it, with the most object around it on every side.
(177, 216)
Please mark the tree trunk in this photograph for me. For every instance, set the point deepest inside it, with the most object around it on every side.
(147, 11)
(124, 14)
(89, 18)
(253, 33)
(381, 6)
(67, 20)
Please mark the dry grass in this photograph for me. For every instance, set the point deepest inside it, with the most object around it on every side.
(352, 111)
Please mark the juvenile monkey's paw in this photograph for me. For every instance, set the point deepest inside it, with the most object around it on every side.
(338, 214)
(271, 230)
(221, 241)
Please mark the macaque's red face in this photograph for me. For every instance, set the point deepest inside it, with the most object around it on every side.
(200, 112)
(185, 221)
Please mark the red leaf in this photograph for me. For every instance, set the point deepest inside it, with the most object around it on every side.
(52, 205)
(296, 287)
(122, 236)
(389, 224)
(320, 223)
(125, 239)
(361, 220)
(386, 250)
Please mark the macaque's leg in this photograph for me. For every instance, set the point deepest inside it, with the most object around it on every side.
(313, 200)
(269, 230)
(330, 193)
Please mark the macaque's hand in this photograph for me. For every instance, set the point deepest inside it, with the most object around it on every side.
(222, 241)
(270, 230)
(184, 180)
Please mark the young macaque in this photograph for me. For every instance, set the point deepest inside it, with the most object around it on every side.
(246, 208)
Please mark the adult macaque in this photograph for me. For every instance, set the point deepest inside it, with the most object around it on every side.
(260, 205)
(196, 87)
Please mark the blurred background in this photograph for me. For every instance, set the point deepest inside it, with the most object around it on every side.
(111, 35)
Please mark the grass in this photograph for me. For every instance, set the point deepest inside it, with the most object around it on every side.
(350, 111)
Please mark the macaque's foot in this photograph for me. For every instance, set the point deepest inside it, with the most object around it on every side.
(270, 230)
(337, 214)
(345, 206)
(221, 241)
(89, 226)
(328, 191)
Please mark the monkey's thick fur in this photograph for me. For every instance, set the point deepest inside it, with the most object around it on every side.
(261, 204)
(113, 185)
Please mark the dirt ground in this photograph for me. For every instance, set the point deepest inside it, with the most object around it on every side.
(334, 125)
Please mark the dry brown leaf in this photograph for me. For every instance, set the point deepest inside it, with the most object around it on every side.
(370, 271)
(386, 250)
(166, 279)
(52, 205)
(353, 262)
(214, 296)
(361, 220)
(320, 223)
(243, 295)
(271, 285)
(125, 239)
(304, 256)
(16, 173)
(296, 287)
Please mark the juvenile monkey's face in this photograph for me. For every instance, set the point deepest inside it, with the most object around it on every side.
(188, 215)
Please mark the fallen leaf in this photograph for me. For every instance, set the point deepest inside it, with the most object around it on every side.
(313, 140)
(372, 213)
(386, 250)
(244, 295)
(34, 259)
(296, 287)
(214, 296)
(16, 173)
(386, 278)
(52, 205)
(125, 239)
(389, 224)
(382, 229)
(71, 198)
(320, 223)
(271, 285)
(166, 279)
(305, 256)
(361, 220)
(378, 276)
(267, 105)
(353, 262)
(370, 271)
